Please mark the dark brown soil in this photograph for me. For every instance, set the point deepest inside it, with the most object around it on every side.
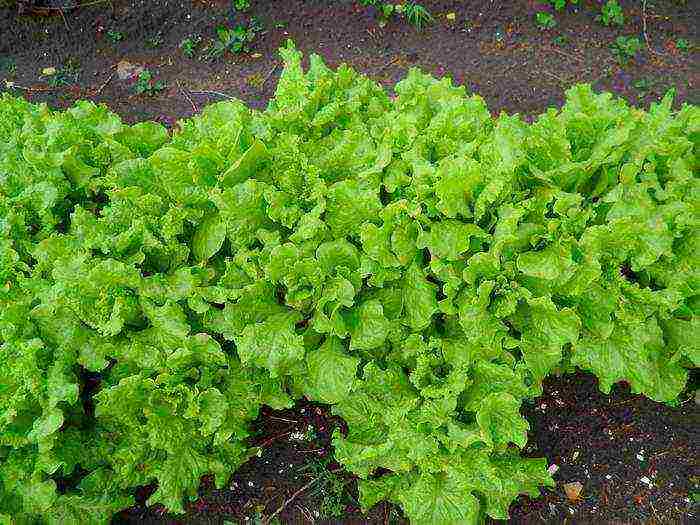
(636, 459)
(496, 50)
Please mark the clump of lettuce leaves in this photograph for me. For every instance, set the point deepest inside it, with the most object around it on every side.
(413, 261)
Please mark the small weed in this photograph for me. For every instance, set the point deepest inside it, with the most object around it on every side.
(9, 66)
(236, 40)
(560, 40)
(58, 79)
(625, 48)
(280, 25)
(259, 518)
(72, 68)
(189, 45)
(147, 85)
(611, 14)
(241, 5)
(416, 15)
(155, 41)
(643, 85)
(330, 488)
(115, 36)
(682, 45)
(545, 20)
(67, 75)
(561, 4)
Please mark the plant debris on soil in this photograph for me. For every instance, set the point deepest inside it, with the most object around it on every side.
(616, 459)
(636, 461)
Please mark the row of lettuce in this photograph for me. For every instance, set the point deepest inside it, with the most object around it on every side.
(414, 261)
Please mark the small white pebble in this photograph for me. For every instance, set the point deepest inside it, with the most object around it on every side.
(251, 484)
(297, 436)
(640, 457)
(645, 480)
(608, 476)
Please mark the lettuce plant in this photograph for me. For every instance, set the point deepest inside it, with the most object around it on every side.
(413, 261)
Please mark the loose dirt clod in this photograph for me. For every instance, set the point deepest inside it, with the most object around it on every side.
(573, 491)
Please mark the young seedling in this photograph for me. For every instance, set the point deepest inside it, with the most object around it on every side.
(9, 66)
(545, 20)
(561, 4)
(625, 48)
(236, 40)
(147, 85)
(682, 45)
(643, 86)
(67, 75)
(611, 14)
(415, 14)
(115, 36)
(241, 5)
(155, 41)
(189, 45)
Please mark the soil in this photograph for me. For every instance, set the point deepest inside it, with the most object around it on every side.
(493, 48)
(636, 460)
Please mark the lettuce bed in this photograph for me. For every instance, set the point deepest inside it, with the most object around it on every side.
(415, 262)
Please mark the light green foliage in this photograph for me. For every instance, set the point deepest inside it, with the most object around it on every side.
(416, 263)
(611, 14)
(189, 45)
(146, 84)
(625, 48)
(683, 45)
(235, 40)
(415, 14)
(561, 4)
(545, 20)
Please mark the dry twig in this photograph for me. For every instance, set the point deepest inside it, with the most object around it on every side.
(569, 55)
(104, 84)
(76, 6)
(294, 496)
(267, 77)
(187, 96)
(390, 63)
(211, 93)
(644, 26)
(557, 77)
(12, 85)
